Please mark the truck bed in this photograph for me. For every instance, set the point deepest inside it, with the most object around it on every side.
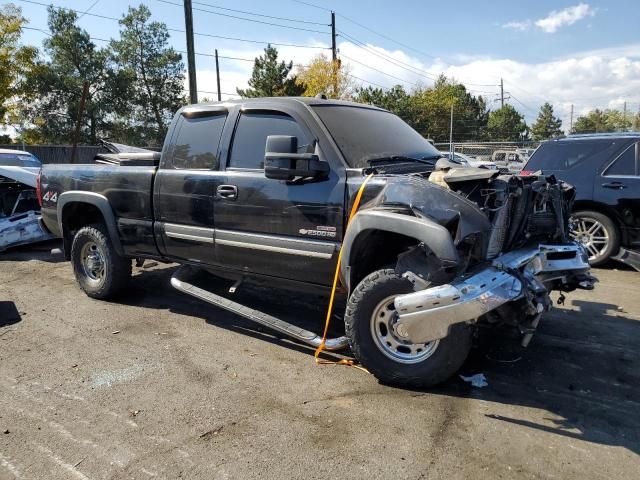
(128, 190)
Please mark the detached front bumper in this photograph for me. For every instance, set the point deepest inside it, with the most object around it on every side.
(427, 315)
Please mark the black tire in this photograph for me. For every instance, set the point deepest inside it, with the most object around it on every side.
(446, 360)
(613, 244)
(117, 269)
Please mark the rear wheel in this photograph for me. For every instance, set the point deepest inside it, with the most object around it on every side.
(98, 268)
(370, 325)
(597, 233)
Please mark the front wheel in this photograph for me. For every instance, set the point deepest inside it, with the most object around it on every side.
(98, 268)
(370, 325)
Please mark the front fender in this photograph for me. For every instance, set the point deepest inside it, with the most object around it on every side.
(435, 237)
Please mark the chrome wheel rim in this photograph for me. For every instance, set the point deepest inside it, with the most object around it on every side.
(383, 325)
(592, 235)
(92, 261)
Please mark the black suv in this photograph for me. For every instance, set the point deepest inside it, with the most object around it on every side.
(605, 170)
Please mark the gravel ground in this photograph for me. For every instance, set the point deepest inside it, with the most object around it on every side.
(159, 385)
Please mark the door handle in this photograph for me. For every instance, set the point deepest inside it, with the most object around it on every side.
(229, 192)
(614, 185)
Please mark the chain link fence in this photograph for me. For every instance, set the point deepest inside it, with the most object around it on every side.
(486, 150)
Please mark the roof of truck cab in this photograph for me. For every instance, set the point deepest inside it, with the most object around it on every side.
(292, 102)
(595, 136)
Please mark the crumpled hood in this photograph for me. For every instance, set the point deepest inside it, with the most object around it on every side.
(427, 199)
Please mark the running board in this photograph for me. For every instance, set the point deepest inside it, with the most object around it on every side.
(179, 281)
(630, 257)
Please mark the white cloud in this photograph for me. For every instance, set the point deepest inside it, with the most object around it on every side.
(555, 19)
(521, 26)
(602, 78)
(566, 16)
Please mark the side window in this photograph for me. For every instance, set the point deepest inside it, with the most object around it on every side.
(196, 144)
(625, 164)
(251, 134)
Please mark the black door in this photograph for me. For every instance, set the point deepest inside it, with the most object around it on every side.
(274, 227)
(186, 186)
(619, 187)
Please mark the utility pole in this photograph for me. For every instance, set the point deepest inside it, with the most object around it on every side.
(191, 57)
(571, 120)
(76, 133)
(218, 76)
(334, 54)
(624, 116)
(501, 93)
(451, 134)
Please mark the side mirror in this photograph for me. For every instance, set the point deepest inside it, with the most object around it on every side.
(282, 162)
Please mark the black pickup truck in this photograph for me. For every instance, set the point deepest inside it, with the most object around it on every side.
(261, 189)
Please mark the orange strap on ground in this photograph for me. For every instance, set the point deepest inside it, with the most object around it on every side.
(336, 276)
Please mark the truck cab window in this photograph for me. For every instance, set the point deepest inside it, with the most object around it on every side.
(625, 164)
(251, 136)
(196, 144)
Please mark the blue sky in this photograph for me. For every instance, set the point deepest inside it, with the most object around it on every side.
(584, 53)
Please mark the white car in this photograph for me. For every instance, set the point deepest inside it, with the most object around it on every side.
(468, 161)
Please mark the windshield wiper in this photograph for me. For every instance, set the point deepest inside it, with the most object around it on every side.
(403, 158)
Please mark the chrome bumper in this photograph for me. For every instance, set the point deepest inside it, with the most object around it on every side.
(427, 315)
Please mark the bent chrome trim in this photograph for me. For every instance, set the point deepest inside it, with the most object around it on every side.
(427, 315)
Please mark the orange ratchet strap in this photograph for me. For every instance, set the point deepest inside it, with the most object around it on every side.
(336, 276)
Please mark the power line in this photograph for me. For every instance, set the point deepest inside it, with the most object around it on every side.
(246, 19)
(379, 71)
(43, 31)
(260, 14)
(525, 106)
(88, 9)
(309, 4)
(398, 63)
(387, 37)
(222, 37)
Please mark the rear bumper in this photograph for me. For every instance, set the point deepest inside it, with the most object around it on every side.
(427, 315)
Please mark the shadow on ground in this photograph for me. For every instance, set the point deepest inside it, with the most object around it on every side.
(35, 251)
(583, 366)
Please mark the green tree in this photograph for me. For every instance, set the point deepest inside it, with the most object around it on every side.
(395, 99)
(598, 121)
(74, 59)
(546, 125)
(270, 78)
(506, 124)
(432, 112)
(156, 73)
(16, 62)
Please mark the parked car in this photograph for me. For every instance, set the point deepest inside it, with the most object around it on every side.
(468, 160)
(605, 170)
(525, 153)
(509, 159)
(260, 190)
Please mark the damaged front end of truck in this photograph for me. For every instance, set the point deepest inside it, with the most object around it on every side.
(491, 248)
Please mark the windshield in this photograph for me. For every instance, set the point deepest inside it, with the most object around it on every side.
(363, 134)
(19, 160)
